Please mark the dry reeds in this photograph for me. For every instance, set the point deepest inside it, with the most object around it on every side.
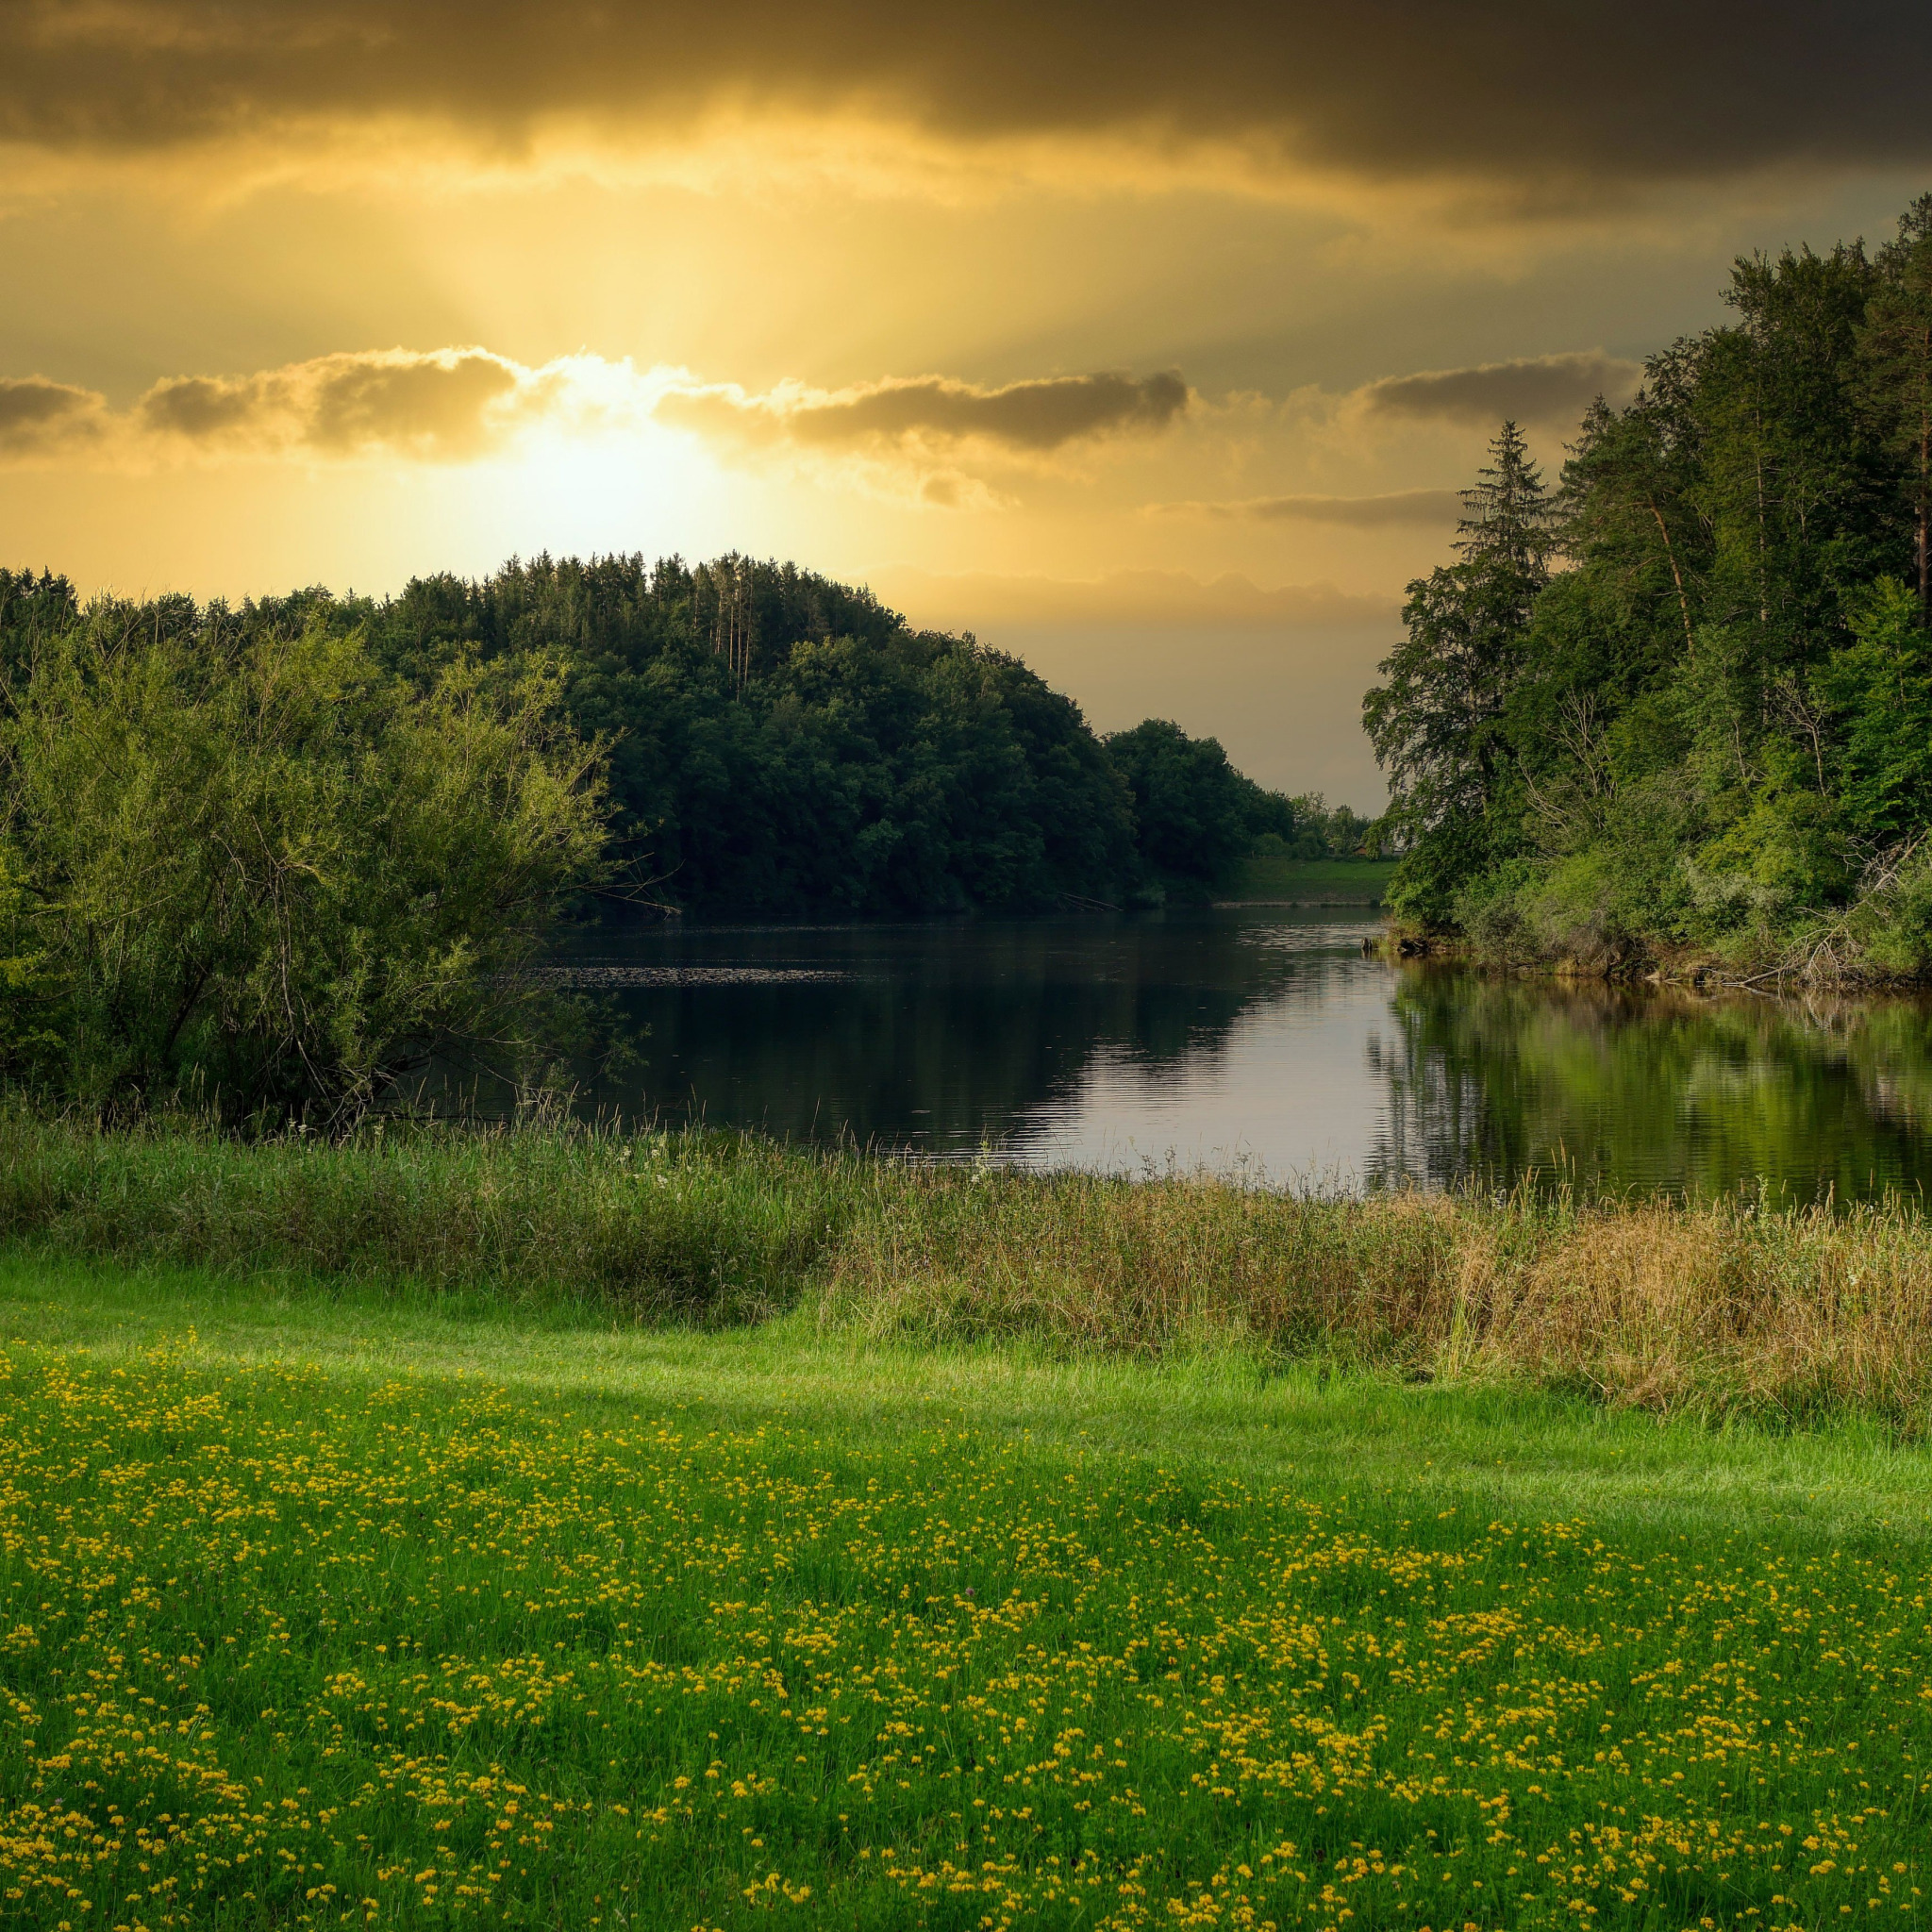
(1721, 1308)
(1724, 1309)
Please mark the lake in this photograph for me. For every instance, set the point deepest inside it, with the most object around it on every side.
(1256, 1041)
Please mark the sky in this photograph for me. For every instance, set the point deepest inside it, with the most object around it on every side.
(1149, 344)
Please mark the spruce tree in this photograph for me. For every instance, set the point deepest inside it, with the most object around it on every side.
(1436, 721)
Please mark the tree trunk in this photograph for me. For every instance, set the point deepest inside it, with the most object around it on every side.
(1678, 575)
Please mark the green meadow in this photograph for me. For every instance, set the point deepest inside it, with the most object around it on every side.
(1312, 881)
(330, 1602)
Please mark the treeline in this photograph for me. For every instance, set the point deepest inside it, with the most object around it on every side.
(776, 744)
(273, 859)
(1679, 706)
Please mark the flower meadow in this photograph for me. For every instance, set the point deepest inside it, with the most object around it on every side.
(304, 1647)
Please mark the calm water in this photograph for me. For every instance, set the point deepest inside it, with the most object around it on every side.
(1258, 1041)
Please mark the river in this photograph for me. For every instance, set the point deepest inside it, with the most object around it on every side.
(1258, 1043)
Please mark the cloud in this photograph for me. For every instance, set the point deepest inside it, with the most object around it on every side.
(934, 412)
(35, 415)
(445, 405)
(1352, 512)
(1574, 99)
(1551, 390)
(450, 405)
(918, 437)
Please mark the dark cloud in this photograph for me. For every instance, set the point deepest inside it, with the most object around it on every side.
(1569, 99)
(1353, 512)
(444, 404)
(437, 405)
(35, 414)
(929, 411)
(1551, 390)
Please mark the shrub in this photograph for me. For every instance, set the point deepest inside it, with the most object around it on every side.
(270, 874)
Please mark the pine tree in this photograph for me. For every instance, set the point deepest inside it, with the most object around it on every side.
(1625, 510)
(1507, 530)
(1436, 721)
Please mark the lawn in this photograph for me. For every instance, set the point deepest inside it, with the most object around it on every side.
(341, 1608)
(1317, 881)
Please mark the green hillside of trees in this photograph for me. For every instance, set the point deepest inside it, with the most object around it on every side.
(268, 860)
(776, 743)
(1678, 705)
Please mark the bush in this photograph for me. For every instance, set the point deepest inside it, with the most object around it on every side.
(268, 874)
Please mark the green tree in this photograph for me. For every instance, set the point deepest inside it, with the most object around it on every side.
(1193, 813)
(1896, 341)
(1879, 692)
(1437, 721)
(260, 873)
(784, 744)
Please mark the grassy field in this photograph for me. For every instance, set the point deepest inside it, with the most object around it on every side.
(1725, 1311)
(326, 1604)
(1318, 881)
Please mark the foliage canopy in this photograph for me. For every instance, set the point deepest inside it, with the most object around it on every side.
(255, 870)
(1679, 701)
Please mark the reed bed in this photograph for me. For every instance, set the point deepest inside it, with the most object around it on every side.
(1719, 1309)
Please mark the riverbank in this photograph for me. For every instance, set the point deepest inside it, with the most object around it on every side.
(1717, 1311)
(1692, 969)
(325, 1592)
(1307, 882)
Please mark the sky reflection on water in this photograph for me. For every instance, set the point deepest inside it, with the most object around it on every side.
(1258, 1043)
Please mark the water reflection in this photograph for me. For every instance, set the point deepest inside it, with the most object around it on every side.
(1621, 1088)
(1259, 1041)
(938, 1037)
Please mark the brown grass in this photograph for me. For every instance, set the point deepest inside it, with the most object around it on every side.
(1719, 1309)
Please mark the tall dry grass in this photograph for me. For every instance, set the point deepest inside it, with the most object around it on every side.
(1721, 1309)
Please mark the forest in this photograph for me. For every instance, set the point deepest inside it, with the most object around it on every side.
(271, 858)
(773, 742)
(1672, 712)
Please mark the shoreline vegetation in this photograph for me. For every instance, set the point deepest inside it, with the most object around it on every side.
(1672, 715)
(278, 861)
(1734, 1310)
(762, 739)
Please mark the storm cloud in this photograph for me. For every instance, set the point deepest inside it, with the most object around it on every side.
(1549, 390)
(1576, 99)
(1031, 418)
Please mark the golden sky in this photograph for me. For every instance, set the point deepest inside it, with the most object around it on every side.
(1148, 342)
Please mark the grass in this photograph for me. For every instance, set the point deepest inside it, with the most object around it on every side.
(1721, 1311)
(352, 1602)
(1317, 881)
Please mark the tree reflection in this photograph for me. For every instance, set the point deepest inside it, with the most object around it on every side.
(939, 1036)
(1618, 1089)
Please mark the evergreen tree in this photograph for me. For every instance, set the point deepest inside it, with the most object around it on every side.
(1437, 720)
(1709, 730)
